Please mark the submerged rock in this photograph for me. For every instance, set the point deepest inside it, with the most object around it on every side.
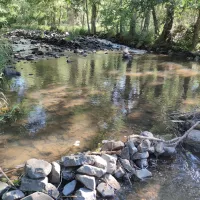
(91, 170)
(38, 196)
(143, 173)
(88, 181)
(85, 194)
(105, 190)
(69, 188)
(35, 168)
(11, 72)
(12, 195)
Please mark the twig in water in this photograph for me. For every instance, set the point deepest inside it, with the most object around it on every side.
(7, 177)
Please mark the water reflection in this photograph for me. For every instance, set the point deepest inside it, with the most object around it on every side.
(94, 94)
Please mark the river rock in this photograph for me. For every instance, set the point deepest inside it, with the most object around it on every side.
(3, 187)
(119, 173)
(125, 153)
(132, 147)
(100, 162)
(91, 170)
(69, 188)
(109, 179)
(127, 166)
(85, 194)
(52, 190)
(12, 195)
(33, 185)
(169, 151)
(146, 134)
(37, 196)
(159, 148)
(111, 162)
(138, 156)
(87, 181)
(112, 145)
(105, 190)
(143, 173)
(77, 160)
(143, 163)
(144, 146)
(193, 139)
(68, 174)
(35, 168)
(54, 176)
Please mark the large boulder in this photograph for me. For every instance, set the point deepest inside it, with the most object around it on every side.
(111, 145)
(54, 176)
(77, 160)
(12, 195)
(33, 185)
(193, 139)
(111, 162)
(35, 168)
(85, 194)
(69, 188)
(88, 181)
(91, 170)
(105, 190)
(38, 196)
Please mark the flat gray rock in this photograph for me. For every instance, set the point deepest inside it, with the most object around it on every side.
(138, 156)
(109, 179)
(100, 162)
(12, 195)
(35, 168)
(111, 145)
(51, 190)
(85, 194)
(193, 139)
(105, 190)
(33, 185)
(69, 188)
(143, 173)
(54, 176)
(38, 196)
(77, 160)
(88, 181)
(91, 170)
(111, 162)
(3, 187)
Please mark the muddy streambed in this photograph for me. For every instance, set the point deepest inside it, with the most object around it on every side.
(71, 107)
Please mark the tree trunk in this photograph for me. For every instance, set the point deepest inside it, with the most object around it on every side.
(121, 20)
(88, 24)
(93, 18)
(195, 38)
(132, 31)
(60, 15)
(155, 21)
(146, 22)
(166, 35)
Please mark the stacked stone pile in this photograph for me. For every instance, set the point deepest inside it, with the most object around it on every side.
(87, 176)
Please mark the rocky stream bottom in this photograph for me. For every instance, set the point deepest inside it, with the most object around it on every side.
(89, 175)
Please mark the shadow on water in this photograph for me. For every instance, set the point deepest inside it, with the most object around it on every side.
(70, 107)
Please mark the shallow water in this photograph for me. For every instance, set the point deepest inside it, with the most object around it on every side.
(70, 107)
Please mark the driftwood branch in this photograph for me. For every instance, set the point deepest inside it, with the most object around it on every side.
(6, 177)
(149, 138)
(104, 152)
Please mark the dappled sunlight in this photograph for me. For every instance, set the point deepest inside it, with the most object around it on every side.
(187, 72)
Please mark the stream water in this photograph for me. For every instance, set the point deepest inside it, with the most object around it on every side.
(70, 107)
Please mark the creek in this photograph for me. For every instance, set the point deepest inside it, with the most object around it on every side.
(71, 107)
